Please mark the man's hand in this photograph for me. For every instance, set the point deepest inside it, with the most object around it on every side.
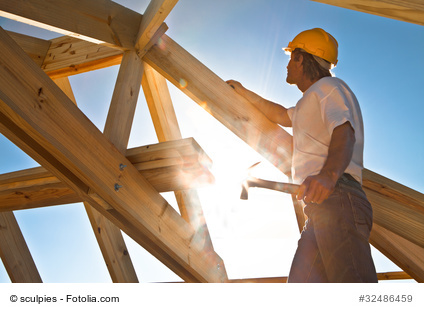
(235, 85)
(316, 189)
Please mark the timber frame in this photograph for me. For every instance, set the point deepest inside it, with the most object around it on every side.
(119, 186)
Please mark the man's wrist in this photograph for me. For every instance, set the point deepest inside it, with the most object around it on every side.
(331, 174)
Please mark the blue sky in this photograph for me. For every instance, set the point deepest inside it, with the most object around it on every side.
(380, 59)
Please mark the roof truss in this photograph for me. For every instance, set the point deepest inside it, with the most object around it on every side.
(53, 131)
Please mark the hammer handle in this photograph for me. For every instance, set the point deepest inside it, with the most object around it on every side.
(268, 184)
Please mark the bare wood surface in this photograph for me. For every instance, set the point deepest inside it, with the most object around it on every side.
(396, 207)
(153, 17)
(35, 48)
(14, 252)
(405, 254)
(283, 279)
(117, 130)
(69, 56)
(98, 21)
(124, 101)
(55, 133)
(108, 236)
(166, 125)
(411, 11)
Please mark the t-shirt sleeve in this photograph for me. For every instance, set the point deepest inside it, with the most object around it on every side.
(336, 110)
(290, 112)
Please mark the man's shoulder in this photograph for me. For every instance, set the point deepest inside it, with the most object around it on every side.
(327, 85)
(330, 81)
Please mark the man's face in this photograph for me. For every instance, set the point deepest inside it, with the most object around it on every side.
(294, 70)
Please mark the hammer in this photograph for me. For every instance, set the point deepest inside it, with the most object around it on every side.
(261, 183)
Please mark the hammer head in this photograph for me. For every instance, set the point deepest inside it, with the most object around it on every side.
(244, 191)
(245, 184)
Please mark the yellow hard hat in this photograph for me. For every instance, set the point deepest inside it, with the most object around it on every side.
(317, 42)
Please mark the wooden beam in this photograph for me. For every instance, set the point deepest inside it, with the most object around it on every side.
(169, 166)
(220, 100)
(153, 17)
(69, 56)
(396, 207)
(35, 48)
(393, 276)
(124, 101)
(14, 252)
(117, 130)
(166, 125)
(405, 254)
(282, 280)
(109, 237)
(411, 11)
(99, 21)
(37, 116)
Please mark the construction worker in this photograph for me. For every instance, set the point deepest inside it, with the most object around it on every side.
(328, 142)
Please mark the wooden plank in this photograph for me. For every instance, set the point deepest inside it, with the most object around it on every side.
(220, 100)
(66, 56)
(160, 105)
(14, 252)
(109, 237)
(405, 254)
(98, 21)
(396, 207)
(166, 125)
(393, 276)
(411, 11)
(124, 101)
(282, 280)
(170, 166)
(117, 130)
(35, 48)
(69, 56)
(155, 14)
(37, 116)
(112, 246)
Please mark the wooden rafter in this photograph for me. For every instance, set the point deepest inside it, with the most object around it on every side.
(405, 254)
(98, 21)
(279, 280)
(153, 17)
(68, 56)
(396, 207)
(14, 252)
(55, 133)
(411, 11)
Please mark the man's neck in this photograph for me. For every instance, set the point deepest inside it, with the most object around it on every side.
(305, 84)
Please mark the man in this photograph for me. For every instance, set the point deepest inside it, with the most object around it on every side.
(327, 162)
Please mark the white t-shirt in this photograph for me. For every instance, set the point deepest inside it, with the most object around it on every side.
(328, 103)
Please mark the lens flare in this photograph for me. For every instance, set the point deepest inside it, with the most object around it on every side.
(183, 83)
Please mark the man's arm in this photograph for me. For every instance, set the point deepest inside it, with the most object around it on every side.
(273, 111)
(319, 187)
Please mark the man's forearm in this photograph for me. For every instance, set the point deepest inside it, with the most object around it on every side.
(273, 111)
(340, 151)
(318, 188)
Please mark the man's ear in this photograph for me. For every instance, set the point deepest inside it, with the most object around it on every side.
(299, 60)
